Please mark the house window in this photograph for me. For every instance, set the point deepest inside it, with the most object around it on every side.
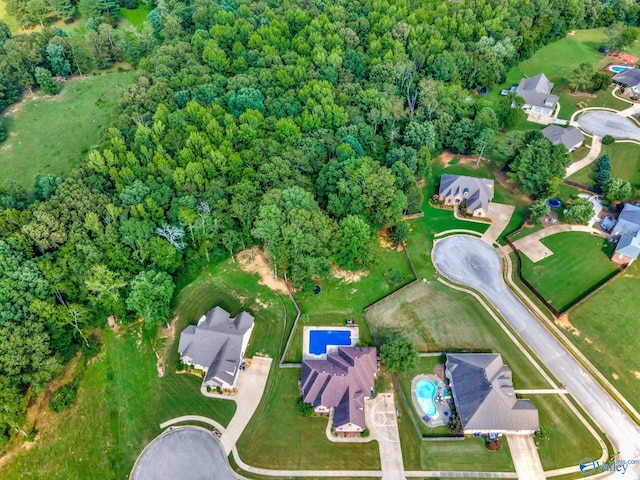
(465, 193)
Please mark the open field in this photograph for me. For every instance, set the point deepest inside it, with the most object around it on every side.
(122, 401)
(606, 331)
(341, 300)
(52, 134)
(580, 261)
(278, 437)
(556, 61)
(625, 164)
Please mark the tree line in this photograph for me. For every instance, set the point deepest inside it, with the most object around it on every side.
(303, 127)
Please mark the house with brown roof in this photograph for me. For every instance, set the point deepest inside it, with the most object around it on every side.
(216, 345)
(484, 397)
(341, 382)
(475, 193)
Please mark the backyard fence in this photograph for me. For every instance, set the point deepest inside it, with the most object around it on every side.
(580, 186)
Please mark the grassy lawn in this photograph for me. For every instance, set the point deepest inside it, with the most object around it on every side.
(52, 134)
(625, 164)
(607, 332)
(122, 401)
(278, 437)
(341, 300)
(579, 262)
(137, 16)
(556, 61)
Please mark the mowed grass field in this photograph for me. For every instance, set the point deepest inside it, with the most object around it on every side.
(579, 262)
(556, 61)
(438, 318)
(122, 401)
(625, 164)
(343, 299)
(606, 331)
(51, 134)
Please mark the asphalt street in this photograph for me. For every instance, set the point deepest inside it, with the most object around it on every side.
(469, 261)
(185, 453)
(603, 123)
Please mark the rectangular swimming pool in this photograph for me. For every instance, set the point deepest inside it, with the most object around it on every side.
(319, 339)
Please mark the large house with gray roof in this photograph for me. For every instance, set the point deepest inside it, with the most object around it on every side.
(571, 137)
(217, 345)
(341, 382)
(630, 79)
(475, 192)
(627, 232)
(484, 397)
(536, 92)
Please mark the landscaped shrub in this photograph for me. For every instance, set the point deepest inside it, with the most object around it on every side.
(608, 140)
(455, 424)
(494, 445)
(365, 433)
(64, 396)
(394, 277)
(305, 409)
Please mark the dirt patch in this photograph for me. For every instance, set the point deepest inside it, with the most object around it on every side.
(170, 331)
(563, 321)
(636, 374)
(347, 276)
(447, 158)
(583, 94)
(572, 33)
(262, 303)
(257, 263)
(384, 237)
(615, 376)
(588, 340)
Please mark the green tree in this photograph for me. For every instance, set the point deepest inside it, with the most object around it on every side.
(12, 406)
(59, 64)
(539, 208)
(246, 99)
(581, 76)
(509, 111)
(46, 82)
(539, 167)
(399, 355)
(400, 233)
(603, 172)
(150, 297)
(355, 246)
(620, 36)
(617, 190)
(580, 211)
(420, 134)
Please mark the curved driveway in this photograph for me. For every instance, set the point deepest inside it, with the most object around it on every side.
(601, 123)
(469, 261)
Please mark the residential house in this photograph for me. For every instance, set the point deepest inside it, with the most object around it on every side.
(536, 92)
(627, 250)
(217, 345)
(628, 221)
(571, 137)
(484, 397)
(341, 382)
(475, 192)
(630, 79)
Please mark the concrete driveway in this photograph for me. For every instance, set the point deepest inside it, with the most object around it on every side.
(384, 422)
(500, 214)
(601, 123)
(470, 261)
(524, 454)
(187, 453)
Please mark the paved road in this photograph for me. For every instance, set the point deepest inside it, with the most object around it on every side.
(603, 123)
(469, 261)
(184, 453)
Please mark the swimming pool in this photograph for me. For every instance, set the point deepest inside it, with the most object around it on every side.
(319, 339)
(425, 392)
(619, 68)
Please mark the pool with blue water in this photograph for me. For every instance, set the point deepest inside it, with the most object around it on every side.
(320, 339)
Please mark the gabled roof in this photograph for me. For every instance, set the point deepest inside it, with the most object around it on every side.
(216, 343)
(569, 137)
(629, 246)
(479, 191)
(341, 381)
(536, 91)
(629, 220)
(483, 391)
(630, 77)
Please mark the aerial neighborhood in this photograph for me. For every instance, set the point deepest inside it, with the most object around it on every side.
(380, 240)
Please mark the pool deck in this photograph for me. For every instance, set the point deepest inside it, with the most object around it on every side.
(306, 355)
(444, 411)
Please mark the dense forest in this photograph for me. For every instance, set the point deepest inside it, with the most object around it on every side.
(301, 126)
